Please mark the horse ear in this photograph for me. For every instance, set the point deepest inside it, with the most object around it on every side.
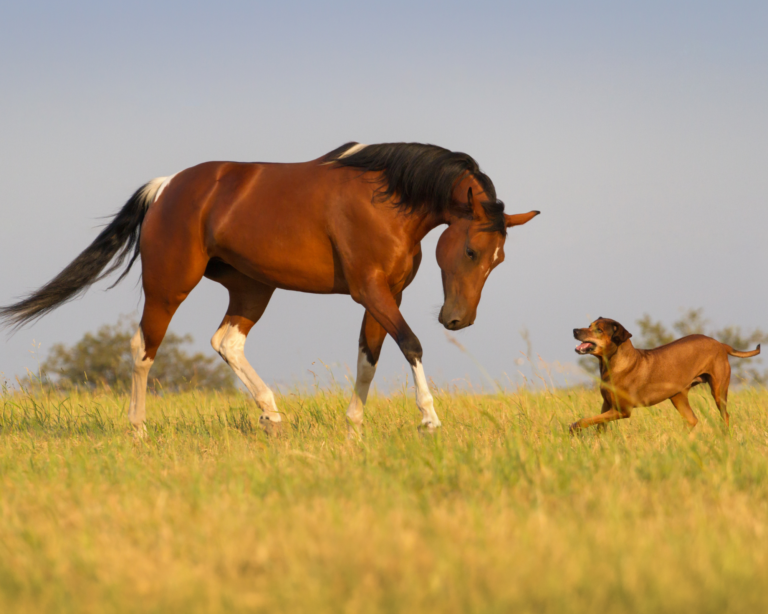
(478, 212)
(520, 218)
(620, 334)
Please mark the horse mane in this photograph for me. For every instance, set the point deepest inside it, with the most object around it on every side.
(421, 178)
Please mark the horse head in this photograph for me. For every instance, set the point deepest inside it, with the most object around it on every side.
(469, 249)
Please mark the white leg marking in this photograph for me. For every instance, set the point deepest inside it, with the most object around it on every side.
(229, 342)
(141, 367)
(424, 399)
(353, 150)
(365, 373)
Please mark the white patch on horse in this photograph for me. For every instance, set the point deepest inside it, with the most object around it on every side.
(424, 399)
(141, 367)
(365, 373)
(150, 189)
(229, 342)
(496, 254)
(163, 186)
(353, 150)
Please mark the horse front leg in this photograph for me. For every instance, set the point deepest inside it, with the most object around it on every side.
(372, 335)
(378, 299)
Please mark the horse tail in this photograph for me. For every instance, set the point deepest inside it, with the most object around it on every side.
(738, 354)
(113, 245)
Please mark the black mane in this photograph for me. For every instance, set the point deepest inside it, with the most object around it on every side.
(422, 177)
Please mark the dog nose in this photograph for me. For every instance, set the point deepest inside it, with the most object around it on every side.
(575, 331)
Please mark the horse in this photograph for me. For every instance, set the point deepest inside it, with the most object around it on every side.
(350, 222)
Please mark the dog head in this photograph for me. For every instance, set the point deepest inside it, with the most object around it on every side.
(602, 338)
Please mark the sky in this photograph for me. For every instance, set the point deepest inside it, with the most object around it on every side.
(638, 129)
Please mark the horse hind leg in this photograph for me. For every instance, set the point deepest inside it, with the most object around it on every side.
(247, 302)
(141, 366)
(144, 345)
(229, 342)
(172, 265)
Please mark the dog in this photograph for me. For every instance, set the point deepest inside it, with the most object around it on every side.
(632, 378)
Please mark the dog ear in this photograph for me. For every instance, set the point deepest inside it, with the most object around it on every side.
(620, 334)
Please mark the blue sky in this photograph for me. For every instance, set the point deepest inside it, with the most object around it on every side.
(639, 129)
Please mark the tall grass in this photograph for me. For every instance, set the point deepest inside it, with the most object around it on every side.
(502, 511)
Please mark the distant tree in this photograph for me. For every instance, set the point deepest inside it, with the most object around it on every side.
(104, 358)
(652, 334)
(692, 322)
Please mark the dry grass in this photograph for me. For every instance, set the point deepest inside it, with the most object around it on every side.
(503, 511)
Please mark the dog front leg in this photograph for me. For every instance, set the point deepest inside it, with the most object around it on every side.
(607, 416)
(606, 408)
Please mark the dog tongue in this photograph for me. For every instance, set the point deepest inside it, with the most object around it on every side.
(584, 346)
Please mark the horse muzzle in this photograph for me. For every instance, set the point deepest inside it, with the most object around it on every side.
(453, 320)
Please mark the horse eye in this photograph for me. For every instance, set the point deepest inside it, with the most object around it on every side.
(471, 253)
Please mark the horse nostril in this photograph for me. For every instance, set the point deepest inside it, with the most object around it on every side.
(454, 324)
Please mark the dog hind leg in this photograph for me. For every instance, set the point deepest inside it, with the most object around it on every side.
(680, 401)
(719, 382)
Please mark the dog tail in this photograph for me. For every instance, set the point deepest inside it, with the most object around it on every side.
(739, 354)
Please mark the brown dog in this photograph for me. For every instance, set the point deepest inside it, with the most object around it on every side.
(640, 378)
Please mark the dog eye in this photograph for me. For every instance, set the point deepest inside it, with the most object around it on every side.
(471, 253)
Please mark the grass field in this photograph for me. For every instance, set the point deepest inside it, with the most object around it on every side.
(502, 511)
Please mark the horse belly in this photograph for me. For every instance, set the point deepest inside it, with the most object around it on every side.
(310, 274)
(288, 262)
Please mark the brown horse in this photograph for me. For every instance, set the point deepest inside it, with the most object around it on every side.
(350, 222)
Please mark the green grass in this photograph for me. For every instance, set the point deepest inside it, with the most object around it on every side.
(502, 511)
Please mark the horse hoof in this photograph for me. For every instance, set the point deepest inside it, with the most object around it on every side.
(427, 428)
(271, 427)
(139, 431)
(354, 432)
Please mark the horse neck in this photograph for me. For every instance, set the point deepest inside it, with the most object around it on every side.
(420, 224)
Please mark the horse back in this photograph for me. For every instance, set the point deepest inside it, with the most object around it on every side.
(287, 225)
